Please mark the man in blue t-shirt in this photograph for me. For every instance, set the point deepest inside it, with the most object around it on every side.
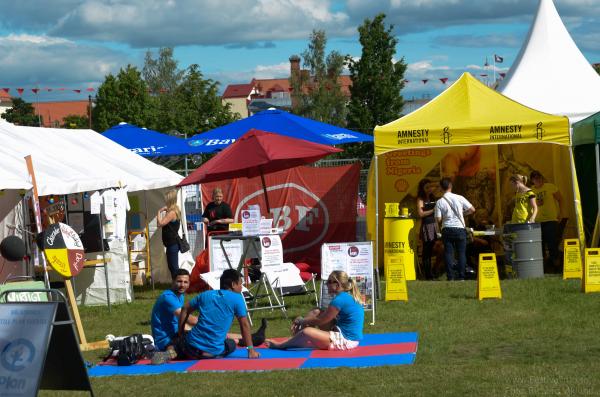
(216, 308)
(166, 310)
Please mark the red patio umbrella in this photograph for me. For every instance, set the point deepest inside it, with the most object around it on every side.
(258, 153)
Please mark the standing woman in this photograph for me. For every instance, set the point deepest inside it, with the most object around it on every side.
(525, 209)
(549, 201)
(425, 208)
(169, 219)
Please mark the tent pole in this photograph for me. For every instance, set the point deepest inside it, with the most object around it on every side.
(264, 185)
(578, 215)
(377, 224)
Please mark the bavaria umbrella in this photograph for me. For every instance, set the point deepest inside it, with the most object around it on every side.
(258, 153)
(279, 122)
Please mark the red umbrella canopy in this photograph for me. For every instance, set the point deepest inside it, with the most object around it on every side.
(258, 152)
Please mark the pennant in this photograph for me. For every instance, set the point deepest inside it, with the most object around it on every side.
(498, 58)
(425, 81)
(77, 91)
(20, 90)
(89, 89)
(502, 75)
(62, 89)
(444, 79)
(48, 89)
(406, 81)
(483, 75)
(35, 90)
(6, 90)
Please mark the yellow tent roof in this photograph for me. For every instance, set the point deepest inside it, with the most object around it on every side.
(469, 113)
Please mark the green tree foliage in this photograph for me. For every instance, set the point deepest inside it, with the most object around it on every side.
(163, 76)
(317, 94)
(376, 81)
(75, 121)
(198, 105)
(123, 98)
(22, 113)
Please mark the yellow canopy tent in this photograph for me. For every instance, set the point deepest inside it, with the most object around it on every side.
(479, 138)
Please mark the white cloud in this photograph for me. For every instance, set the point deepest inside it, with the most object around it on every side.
(30, 59)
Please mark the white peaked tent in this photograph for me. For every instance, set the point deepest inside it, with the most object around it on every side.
(550, 74)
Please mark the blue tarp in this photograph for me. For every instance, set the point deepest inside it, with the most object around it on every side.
(279, 122)
(149, 143)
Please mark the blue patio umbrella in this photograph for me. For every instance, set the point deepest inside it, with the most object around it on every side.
(278, 122)
(149, 143)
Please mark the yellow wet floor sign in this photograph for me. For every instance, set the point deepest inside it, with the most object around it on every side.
(591, 273)
(488, 283)
(572, 259)
(395, 279)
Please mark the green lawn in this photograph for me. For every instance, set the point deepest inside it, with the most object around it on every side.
(542, 338)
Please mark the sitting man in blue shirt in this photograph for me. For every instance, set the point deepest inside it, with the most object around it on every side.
(216, 308)
(165, 313)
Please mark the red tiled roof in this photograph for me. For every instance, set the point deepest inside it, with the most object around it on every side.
(278, 85)
(238, 90)
(4, 95)
(53, 113)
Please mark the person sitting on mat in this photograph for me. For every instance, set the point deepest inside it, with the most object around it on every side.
(340, 326)
(216, 308)
(165, 313)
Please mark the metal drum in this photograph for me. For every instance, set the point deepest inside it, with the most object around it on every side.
(523, 249)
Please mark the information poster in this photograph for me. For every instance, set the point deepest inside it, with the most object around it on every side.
(356, 259)
(218, 256)
(250, 222)
(271, 251)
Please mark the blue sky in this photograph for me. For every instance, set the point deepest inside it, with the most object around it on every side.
(75, 43)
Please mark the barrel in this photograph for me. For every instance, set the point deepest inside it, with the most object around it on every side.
(523, 249)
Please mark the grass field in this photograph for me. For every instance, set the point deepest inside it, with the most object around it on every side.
(541, 339)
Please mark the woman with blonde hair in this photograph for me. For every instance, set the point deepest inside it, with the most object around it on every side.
(340, 326)
(525, 209)
(169, 220)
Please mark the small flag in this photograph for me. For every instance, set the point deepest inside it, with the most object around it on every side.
(20, 90)
(406, 81)
(425, 81)
(498, 58)
(6, 90)
(483, 75)
(35, 90)
(89, 89)
(503, 75)
(444, 79)
(77, 91)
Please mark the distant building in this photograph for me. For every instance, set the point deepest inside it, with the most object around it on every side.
(5, 101)
(52, 114)
(262, 94)
(410, 105)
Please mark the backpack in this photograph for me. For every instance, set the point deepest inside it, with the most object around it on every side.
(129, 350)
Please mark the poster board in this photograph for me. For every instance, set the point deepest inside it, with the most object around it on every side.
(233, 249)
(356, 259)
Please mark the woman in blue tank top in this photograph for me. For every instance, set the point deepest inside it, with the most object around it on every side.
(340, 326)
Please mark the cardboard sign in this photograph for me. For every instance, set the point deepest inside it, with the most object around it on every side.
(395, 279)
(572, 259)
(63, 249)
(250, 222)
(488, 283)
(591, 274)
(218, 258)
(38, 350)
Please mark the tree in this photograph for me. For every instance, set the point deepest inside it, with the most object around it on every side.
(123, 98)
(163, 76)
(22, 113)
(376, 81)
(317, 93)
(75, 121)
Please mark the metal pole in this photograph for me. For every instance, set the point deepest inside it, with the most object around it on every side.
(377, 223)
(90, 112)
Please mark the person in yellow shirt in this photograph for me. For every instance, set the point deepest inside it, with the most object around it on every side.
(525, 210)
(549, 202)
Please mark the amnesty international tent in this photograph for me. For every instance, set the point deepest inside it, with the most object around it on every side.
(479, 138)
(586, 137)
(550, 73)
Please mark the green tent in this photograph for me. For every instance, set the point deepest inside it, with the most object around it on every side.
(586, 137)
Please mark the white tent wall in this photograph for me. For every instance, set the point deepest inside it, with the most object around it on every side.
(11, 214)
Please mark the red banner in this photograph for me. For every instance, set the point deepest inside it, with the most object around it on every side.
(312, 205)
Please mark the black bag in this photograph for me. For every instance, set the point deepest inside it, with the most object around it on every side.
(182, 242)
(131, 349)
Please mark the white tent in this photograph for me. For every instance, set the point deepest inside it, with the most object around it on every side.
(550, 74)
(71, 161)
(74, 161)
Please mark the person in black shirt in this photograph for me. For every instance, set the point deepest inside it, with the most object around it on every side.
(428, 231)
(169, 220)
(217, 214)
